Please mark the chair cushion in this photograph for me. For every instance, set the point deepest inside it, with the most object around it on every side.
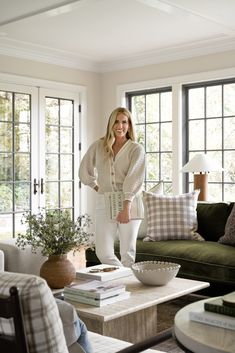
(43, 325)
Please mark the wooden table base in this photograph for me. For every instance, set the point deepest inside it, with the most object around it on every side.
(133, 327)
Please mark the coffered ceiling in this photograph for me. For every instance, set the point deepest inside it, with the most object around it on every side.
(107, 35)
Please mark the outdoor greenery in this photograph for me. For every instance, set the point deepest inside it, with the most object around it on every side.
(54, 233)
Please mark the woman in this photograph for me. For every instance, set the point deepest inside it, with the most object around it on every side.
(115, 163)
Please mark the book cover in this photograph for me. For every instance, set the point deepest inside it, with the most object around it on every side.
(103, 272)
(114, 204)
(214, 319)
(216, 306)
(95, 289)
(97, 302)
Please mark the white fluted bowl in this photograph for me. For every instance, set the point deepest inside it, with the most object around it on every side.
(155, 273)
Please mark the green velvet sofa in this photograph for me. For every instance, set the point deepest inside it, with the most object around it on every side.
(206, 260)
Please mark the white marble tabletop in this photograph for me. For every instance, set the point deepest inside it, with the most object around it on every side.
(200, 337)
(141, 297)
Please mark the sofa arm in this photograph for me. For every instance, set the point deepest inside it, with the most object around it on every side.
(20, 261)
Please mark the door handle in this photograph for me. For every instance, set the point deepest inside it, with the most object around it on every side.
(35, 186)
(42, 186)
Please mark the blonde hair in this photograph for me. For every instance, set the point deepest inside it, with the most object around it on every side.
(109, 137)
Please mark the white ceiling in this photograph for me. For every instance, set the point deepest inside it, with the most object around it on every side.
(106, 35)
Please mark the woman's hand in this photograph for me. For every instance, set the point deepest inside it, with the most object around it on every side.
(124, 216)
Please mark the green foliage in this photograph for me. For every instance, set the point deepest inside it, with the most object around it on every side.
(54, 233)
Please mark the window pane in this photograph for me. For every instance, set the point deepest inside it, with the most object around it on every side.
(19, 227)
(52, 193)
(152, 107)
(22, 108)
(52, 111)
(196, 135)
(22, 196)
(229, 192)
(229, 99)
(152, 168)
(66, 112)
(52, 139)
(5, 137)
(6, 225)
(66, 194)
(6, 197)
(229, 166)
(66, 167)
(214, 134)
(214, 101)
(166, 106)
(166, 166)
(152, 137)
(22, 138)
(22, 167)
(214, 192)
(166, 137)
(52, 167)
(5, 106)
(138, 109)
(6, 167)
(229, 133)
(196, 103)
(66, 140)
(140, 132)
(215, 176)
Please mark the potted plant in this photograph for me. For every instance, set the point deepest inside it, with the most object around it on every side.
(55, 234)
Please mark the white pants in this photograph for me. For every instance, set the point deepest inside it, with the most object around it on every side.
(106, 232)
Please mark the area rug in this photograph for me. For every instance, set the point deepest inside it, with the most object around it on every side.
(166, 313)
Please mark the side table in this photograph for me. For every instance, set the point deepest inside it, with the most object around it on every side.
(202, 338)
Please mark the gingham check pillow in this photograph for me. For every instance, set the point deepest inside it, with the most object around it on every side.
(172, 217)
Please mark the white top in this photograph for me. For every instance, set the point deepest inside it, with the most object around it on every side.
(124, 173)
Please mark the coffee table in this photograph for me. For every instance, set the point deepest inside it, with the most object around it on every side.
(134, 319)
(202, 338)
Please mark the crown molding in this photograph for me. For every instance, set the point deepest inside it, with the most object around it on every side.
(23, 50)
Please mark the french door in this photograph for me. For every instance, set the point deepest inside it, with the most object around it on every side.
(39, 156)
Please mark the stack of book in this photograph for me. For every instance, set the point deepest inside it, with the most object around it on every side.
(219, 312)
(96, 292)
(103, 272)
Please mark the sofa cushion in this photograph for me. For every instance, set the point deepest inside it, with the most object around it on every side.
(212, 218)
(43, 326)
(229, 236)
(202, 260)
(171, 217)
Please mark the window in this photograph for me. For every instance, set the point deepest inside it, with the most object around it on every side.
(15, 159)
(152, 115)
(210, 128)
(38, 155)
(59, 153)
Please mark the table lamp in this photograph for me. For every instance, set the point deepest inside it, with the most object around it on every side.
(201, 165)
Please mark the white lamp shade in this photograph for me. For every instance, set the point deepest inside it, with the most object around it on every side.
(201, 163)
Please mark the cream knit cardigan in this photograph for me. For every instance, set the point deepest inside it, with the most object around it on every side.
(124, 173)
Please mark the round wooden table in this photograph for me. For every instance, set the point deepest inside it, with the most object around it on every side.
(202, 338)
